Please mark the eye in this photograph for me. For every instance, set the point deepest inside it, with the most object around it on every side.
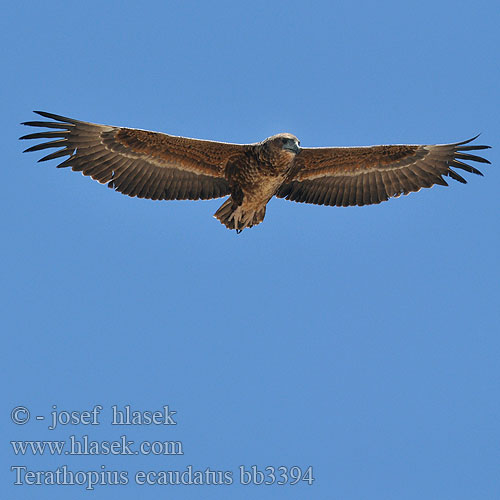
(284, 140)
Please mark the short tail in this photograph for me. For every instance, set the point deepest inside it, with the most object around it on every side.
(235, 216)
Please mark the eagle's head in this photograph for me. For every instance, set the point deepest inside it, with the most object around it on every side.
(283, 146)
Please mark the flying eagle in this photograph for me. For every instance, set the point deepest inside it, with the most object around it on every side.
(166, 167)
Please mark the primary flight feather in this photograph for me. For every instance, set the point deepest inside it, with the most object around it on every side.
(166, 167)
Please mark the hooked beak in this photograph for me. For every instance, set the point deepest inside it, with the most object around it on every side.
(295, 148)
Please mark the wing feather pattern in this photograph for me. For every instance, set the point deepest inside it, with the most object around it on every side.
(137, 162)
(370, 175)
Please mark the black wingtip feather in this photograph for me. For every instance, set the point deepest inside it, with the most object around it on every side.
(460, 146)
(45, 124)
(45, 135)
(466, 141)
(473, 148)
(52, 116)
(456, 177)
(46, 145)
(57, 154)
(469, 157)
(465, 166)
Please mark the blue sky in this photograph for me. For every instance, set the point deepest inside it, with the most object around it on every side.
(362, 342)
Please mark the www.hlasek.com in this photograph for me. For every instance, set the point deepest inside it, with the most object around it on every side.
(190, 476)
(85, 446)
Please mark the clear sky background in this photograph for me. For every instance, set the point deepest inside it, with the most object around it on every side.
(363, 342)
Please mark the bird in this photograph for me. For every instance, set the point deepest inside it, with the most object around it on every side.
(157, 166)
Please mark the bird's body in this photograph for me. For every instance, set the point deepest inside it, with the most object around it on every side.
(254, 177)
(165, 167)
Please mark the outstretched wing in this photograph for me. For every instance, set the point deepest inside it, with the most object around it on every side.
(138, 162)
(369, 175)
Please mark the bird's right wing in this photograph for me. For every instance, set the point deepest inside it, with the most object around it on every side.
(138, 162)
(372, 174)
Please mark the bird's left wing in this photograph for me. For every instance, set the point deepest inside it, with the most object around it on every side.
(138, 162)
(369, 175)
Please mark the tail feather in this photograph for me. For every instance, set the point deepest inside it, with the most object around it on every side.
(235, 216)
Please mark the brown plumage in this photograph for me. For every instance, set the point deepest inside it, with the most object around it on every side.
(165, 167)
